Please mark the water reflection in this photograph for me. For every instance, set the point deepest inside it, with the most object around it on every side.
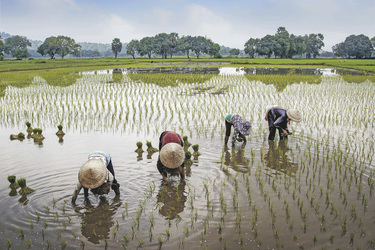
(63, 79)
(181, 70)
(236, 158)
(277, 158)
(97, 221)
(13, 192)
(172, 198)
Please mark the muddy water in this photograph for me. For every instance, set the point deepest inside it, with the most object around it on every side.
(315, 191)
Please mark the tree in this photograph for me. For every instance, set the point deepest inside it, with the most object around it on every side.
(60, 45)
(116, 46)
(282, 43)
(266, 46)
(251, 46)
(132, 48)
(234, 52)
(354, 46)
(214, 50)
(339, 50)
(313, 42)
(358, 46)
(66, 45)
(185, 45)
(198, 45)
(173, 42)
(17, 46)
(1, 49)
(296, 46)
(146, 46)
(49, 47)
(162, 45)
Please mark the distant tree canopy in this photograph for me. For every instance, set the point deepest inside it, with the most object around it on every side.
(116, 46)
(132, 48)
(1, 49)
(165, 45)
(17, 46)
(284, 45)
(355, 46)
(60, 45)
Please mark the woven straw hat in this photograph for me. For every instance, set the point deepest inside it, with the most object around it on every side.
(172, 155)
(92, 173)
(294, 115)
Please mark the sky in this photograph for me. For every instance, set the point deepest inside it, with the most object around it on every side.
(230, 23)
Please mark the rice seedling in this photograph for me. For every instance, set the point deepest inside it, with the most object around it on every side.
(21, 234)
(9, 243)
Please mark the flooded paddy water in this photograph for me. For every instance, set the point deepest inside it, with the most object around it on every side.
(315, 191)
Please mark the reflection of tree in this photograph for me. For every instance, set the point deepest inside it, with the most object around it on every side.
(16, 79)
(236, 159)
(97, 221)
(173, 198)
(276, 158)
(117, 75)
(62, 79)
(171, 78)
(282, 81)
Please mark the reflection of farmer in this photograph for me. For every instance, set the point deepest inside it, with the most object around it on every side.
(97, 221)
(236, 159)
(171, 156)
(97, 174)
(277, 158)
(173, 198)
(279, 118)
(241, 128)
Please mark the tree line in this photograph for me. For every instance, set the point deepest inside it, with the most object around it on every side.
(285, 45)
(280, 45)
(355, 46)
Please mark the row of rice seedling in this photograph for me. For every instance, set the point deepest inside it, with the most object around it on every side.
(128, 103)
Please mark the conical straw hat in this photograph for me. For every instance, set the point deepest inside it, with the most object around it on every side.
(92, 174)
(172, 155)
(294, 115)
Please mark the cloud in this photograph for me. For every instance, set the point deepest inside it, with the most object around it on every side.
(201, 21)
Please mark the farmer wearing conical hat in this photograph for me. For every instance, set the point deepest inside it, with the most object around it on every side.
(241, 128)
(279, 118)
(96, 174)
(171, 156)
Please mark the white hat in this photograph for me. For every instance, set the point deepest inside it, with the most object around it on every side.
(294, 115)
(172, 155)
(92, 174)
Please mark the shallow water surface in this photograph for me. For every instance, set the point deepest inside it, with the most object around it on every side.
(313, 191)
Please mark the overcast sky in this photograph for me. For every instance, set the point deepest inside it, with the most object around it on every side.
(230, 23)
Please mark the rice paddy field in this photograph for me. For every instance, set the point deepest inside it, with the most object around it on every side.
(314, 191)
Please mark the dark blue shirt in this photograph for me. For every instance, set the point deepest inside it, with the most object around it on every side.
(280, 117)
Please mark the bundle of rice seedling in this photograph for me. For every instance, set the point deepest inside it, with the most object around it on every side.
(150, 148)
(13, 183)
(196, 148)
(24, 189)
(188, 160)
(139, 147)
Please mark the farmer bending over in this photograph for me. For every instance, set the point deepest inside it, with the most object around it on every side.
(96, 174)
(171, 156)
(279, 118)
(241, 128)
